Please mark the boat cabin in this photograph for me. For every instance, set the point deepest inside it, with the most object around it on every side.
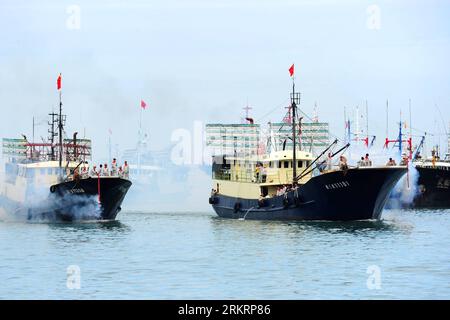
(256, 176)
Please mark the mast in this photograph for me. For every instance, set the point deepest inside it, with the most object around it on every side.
(410, 131)
(367, 123)
(357, 125)
(345, 126)
(387, 119)
(52, 135)
(60, 127)
(295, 98)
(139, 142)
(32, 148)
(400, 135)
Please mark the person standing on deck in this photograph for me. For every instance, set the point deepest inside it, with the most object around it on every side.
(391, 163)
(360, 163)
(84, 172)
(257, 172)
(94, 172)
(343, 163)
(329, 159)
(264, 173)
(368, 162)
(105, 170)
(114, 167)
(126, 170)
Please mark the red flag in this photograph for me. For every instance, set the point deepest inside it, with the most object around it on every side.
(291, 70)
(143, 104)
(58, 82)
(366, 141)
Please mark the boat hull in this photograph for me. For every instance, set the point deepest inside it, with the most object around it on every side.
(355, 194)
(84, 199)
(434, 188)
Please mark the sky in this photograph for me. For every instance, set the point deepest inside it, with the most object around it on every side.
(202, 61)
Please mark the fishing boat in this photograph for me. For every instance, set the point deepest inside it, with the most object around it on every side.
(433, 182)
(50, 180)
(430, 187)
(295, 185)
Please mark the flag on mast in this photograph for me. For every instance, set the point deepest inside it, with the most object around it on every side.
(58, 82)
(291, 70)
(143, 104)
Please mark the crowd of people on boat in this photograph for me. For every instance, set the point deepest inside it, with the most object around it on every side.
(84, 171)
(281, 190)
(365, 161)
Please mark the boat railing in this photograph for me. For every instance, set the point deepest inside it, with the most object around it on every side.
(82, 176)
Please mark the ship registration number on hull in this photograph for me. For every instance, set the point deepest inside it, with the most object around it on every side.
(337, 185)
(77, 191)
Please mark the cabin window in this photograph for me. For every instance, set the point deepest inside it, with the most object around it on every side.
(286, 164)
(279, 164)
(300, 164)
(270, 164)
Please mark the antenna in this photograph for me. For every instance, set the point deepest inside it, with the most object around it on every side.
(345, 121)
(387, 119)
(247, 108)
(316, 116)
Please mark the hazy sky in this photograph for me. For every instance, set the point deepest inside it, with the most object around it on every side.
(202, 60)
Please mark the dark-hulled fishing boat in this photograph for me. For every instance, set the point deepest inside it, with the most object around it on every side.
(267, 187)
(51, 180)
(433, 183)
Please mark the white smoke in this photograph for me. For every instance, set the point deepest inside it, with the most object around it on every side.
(406, 189)
(76, 207)
(40, 205)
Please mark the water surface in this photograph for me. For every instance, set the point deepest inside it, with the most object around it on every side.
(192, 255)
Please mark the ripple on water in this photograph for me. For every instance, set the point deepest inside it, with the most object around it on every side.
(200, 256)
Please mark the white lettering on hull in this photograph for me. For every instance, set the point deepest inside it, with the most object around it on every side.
(337, 185)
(77, 191)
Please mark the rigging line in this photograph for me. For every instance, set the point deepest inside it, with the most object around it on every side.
(311, 120)
(428, 133)
(273, 110)
(442, 118)
(300, 111)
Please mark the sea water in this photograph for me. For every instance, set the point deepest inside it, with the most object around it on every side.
(193, 255)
